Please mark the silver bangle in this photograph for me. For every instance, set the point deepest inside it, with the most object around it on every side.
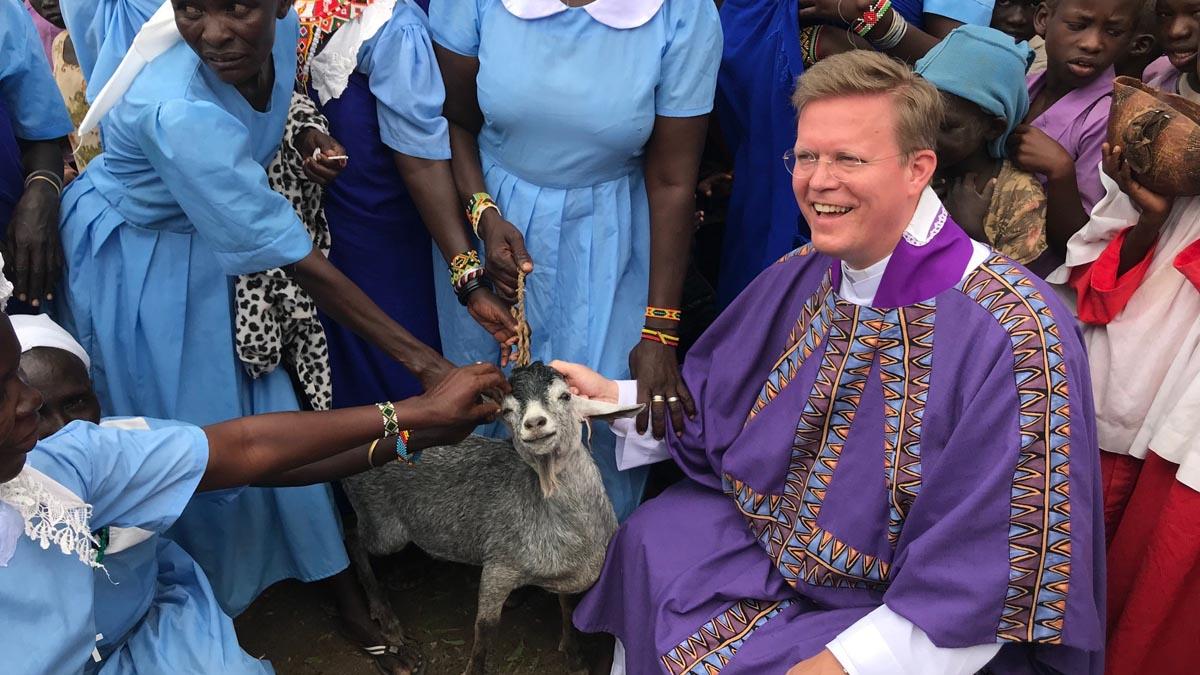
(895, 34)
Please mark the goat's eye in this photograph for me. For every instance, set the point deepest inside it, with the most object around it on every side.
(565, 396)
(506, 411)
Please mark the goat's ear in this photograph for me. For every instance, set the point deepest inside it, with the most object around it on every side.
(607, 412)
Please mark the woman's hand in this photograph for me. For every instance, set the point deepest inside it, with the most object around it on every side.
(506, 253)
(586, 382)
(493, 314)
(465, 396)
(324, 157)
(1034, 151)
(660, 388)
(34, 251)
(1155, 208)
(844, 11)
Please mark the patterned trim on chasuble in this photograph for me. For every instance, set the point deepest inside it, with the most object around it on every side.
(708, 650)
(1039, 537)
(854, 339)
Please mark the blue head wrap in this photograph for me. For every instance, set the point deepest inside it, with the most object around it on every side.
(987, 68)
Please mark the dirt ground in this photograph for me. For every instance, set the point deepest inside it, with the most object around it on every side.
(294, 625)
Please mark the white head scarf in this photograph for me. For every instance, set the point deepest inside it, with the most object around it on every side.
(156, 36)
(39, 330)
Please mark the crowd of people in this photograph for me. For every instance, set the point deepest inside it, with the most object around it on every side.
(947, 419)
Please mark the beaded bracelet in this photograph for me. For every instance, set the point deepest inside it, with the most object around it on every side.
(480, 202)
(809, 40)
(651, 335)
(871, 17)
(391, 426)
(402, 454)
(662, 313)
(463, 267)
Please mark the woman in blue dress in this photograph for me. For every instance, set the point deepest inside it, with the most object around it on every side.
(33, 127)
(154, 229)
(584, 121)
(387, 112)
(55, 493)
(764, 54)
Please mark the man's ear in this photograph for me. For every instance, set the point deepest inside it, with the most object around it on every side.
(599, 410)
(921, 168)
(1041, 19)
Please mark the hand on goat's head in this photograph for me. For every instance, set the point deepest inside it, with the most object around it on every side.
(545, 419)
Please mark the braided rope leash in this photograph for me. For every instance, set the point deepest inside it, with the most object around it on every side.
(523, 333)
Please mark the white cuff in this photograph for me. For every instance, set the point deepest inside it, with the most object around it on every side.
(885, 643)
(634, 449)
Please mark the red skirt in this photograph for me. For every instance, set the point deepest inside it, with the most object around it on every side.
(1152, 522)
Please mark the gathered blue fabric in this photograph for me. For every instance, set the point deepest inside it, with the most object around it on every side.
(987, 68)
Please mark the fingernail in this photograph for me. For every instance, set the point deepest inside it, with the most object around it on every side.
(22, 297)
(49, 296)
(35, 302)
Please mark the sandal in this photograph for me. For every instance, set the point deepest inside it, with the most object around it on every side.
(377, 651)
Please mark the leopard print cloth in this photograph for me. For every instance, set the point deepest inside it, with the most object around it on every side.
(276, 320)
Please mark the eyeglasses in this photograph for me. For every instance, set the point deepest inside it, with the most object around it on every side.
(841, 166)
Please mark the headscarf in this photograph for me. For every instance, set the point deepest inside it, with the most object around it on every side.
(985, 67)
(39, 330)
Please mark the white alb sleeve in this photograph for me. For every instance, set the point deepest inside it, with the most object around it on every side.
(634, 449)
(885, 643)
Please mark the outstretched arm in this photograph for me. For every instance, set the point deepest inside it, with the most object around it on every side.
(253, 449)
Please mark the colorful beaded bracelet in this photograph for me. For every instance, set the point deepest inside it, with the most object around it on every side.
(479, 202)
(402, 453)
(871, 17)
(663, 313)
(464, 267)
(391, 426)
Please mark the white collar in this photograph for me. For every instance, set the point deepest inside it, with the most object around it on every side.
(861, 286)
(619, 14)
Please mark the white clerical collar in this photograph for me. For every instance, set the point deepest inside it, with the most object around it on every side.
(861, 286)
(620, 14)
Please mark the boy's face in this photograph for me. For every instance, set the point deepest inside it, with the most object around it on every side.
(1084, 37)
(1179, 31)
(1015, 17)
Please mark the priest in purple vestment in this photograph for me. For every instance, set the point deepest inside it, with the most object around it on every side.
(893, 465)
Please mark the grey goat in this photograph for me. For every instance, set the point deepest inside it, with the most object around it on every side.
(531, 511)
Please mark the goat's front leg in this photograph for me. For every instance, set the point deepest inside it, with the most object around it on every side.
(381, 609)
(568, 644)
(495, 584)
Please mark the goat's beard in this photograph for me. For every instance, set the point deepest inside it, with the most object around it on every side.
(546, 468)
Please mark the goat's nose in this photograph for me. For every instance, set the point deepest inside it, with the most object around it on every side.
(535, 422)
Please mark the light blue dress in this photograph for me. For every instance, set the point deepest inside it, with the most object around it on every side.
(568, 105)
(157, 612)
(131, 479)
(152, 231)
(101, 31)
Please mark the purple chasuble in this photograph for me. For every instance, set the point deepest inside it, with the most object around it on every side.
(935, 452)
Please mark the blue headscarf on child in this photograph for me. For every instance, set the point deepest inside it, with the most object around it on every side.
(987, 68)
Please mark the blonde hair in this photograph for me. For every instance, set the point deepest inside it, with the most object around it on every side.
(918, 105)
